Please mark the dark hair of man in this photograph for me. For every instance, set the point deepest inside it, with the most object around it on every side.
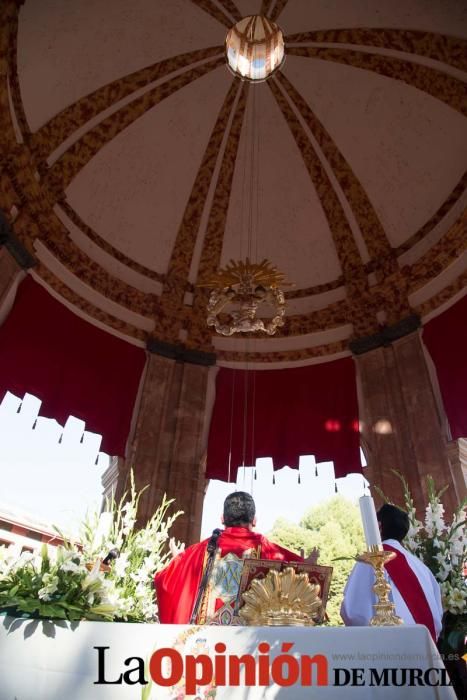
(394, 522)
(239, 509)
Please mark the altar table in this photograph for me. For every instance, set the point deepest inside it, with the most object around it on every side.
(42, 660)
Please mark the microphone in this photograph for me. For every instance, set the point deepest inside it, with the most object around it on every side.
(113, 554)
(212, 544)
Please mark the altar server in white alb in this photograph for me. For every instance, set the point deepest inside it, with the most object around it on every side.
(415, 592)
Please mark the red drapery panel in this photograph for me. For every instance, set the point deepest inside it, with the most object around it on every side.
(308, 410)
(446, 339)
(72, 366)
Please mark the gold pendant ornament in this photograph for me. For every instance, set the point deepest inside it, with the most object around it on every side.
(239, 290)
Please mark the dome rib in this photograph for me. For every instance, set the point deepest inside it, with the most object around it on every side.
(378, 246)
(447, 250)
(450, 50)
(212, 10)
(277, 9)
(171, 302)
(50, 136)
(80, 153)
(442, 297)
(265, 7)
(105, 245)
(438, 216)
(362, 315)
(346, 247)
(13, 78)
(439, 85)
(211, 252)
(370, 226)
(232, 9)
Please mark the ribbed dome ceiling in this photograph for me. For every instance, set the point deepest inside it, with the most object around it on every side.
(129, 148)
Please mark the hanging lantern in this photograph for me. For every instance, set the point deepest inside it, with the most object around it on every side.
(254, 48)
(239, 290)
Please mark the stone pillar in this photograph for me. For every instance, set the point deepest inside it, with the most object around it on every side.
(401, 426)
(13, 259)
(457, 454)
(109, 480)
(9, 269)
(168, 447)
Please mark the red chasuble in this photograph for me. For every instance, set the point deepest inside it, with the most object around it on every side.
(177, 585)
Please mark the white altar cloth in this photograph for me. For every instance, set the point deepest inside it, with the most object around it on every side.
(40, 660)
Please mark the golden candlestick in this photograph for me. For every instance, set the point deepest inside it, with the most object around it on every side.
(385, 611)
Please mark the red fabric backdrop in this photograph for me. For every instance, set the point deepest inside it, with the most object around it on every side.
(308, 410)
(446, 339)
(72, 366)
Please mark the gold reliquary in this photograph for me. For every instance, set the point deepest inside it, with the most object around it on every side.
(274, 593)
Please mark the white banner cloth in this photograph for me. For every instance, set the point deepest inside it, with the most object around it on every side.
(41, 660)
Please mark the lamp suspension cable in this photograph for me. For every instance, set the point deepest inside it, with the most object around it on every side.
(258, 180)
(244, 287)
(232, 406)
(255, 200)
(248, 229)
(252, 175)
(245, 413)
(253, 238)
(244, 189)
(253, 417)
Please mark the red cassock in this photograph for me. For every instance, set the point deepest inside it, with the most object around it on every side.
(177, 585)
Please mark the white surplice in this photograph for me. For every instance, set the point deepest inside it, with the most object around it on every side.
(359, 598)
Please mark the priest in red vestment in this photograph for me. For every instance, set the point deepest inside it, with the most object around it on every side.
(177, 585)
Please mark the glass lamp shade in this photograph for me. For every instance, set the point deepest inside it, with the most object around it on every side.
(254, 48)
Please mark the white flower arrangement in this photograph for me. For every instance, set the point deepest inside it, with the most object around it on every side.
(441, 546)
(70, 582)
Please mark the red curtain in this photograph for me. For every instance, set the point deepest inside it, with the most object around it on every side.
(290, 412)
(73, 367)
(446, 339)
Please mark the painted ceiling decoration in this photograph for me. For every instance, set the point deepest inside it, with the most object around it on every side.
(124, 147)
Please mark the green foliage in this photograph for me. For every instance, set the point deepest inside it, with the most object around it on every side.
(292, 536)
(43, 587)
(335, 528)
(69, 582)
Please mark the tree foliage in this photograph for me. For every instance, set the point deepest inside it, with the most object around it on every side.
(335, 528)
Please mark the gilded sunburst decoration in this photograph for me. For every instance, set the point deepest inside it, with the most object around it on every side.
(239, 290)
(281, 598)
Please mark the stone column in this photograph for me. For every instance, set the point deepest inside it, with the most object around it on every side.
(401, 426)
(457, 454)
(9, 269)
(13, 259)
(168, 447)
(109, 480)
